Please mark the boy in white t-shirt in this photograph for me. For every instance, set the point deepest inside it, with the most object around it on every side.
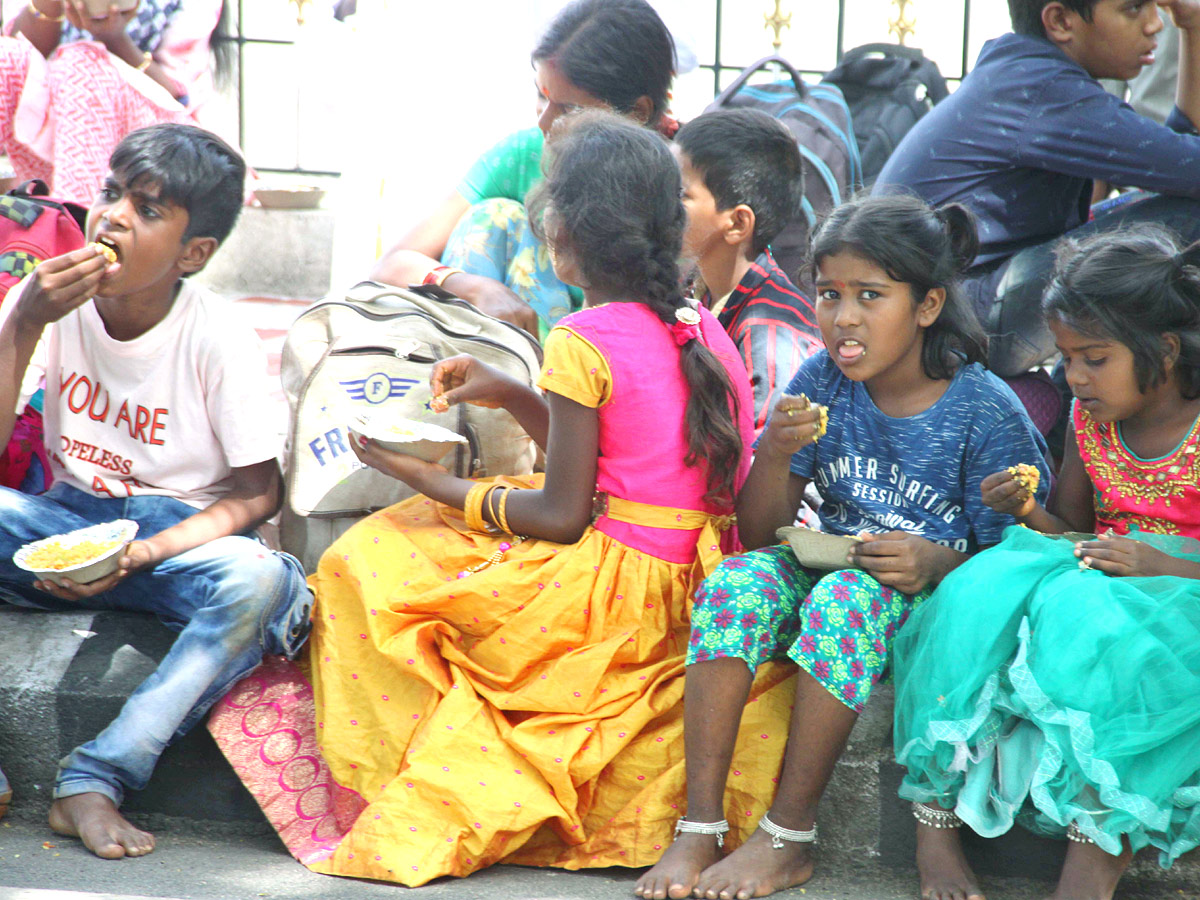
(158, 409)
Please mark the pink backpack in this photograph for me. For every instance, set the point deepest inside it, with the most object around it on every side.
(32, 228)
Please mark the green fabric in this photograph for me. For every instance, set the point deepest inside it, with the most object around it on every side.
(493, 239)
(837, 626)
(1029, 689)
(509, 169)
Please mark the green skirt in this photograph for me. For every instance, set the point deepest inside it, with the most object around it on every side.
(1028, 689)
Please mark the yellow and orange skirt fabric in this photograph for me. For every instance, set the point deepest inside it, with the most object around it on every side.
(529, 712)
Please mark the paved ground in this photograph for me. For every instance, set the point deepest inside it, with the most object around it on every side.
(37, 865)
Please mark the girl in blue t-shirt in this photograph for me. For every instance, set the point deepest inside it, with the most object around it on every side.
(914, 425)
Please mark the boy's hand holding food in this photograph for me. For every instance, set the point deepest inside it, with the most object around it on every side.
(63, 283)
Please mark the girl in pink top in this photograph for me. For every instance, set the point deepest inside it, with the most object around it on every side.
(497, 667)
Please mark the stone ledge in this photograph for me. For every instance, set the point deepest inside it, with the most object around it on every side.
(274, 253)
(58, 689)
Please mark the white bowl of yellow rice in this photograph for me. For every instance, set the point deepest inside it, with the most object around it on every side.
(82, 556)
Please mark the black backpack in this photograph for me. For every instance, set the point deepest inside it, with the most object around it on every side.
(820, 121)
(888, 88)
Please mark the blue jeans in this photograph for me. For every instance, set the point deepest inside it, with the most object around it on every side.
(231, 600)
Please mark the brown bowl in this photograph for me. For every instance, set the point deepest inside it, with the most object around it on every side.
(299, 197)
(817, 549)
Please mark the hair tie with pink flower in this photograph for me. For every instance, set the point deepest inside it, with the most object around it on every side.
(686, 326)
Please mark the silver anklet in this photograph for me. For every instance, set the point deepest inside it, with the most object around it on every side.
(935, 817)
(779, 834)
(1075, 833)
(685, 826)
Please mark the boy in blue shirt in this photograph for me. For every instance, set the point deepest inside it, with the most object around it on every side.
(742, 183)
(1022, 139)
(158, 409)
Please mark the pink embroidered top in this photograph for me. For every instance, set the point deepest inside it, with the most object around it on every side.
(1155, 495)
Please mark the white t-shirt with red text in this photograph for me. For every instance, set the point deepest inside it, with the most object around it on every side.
(168, 413)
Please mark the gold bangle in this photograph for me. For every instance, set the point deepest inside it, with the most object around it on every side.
(473, 507)
(490, 503)
(503, 523)
(38, 14)
(446, 272)
(145, 63)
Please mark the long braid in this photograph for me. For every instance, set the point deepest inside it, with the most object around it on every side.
(611, 199)
(712, 406)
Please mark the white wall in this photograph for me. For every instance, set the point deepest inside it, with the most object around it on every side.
(405, 95)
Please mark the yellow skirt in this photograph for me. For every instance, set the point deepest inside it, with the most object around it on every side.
(530, 712)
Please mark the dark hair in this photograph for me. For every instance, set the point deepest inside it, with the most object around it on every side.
(611, 192)
(616, 50)
(1026, 15)
(1133, 286)
(223, 46)
(747, 157)
(192, 168)
(923, 248)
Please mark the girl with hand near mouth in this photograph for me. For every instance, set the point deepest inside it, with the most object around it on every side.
(1057, 679)
(914, 426)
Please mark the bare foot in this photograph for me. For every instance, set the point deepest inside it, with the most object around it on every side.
(5, 800)
(679, 869)
(1090, 874)
(756, 869)
(94, 819)
(945, 874)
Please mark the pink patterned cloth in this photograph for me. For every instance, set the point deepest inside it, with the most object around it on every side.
(265, 726)
(61, 118)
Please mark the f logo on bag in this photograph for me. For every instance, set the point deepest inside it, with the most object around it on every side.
(378, 386)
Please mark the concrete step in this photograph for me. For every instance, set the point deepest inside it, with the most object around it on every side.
(274, 253)
(64, 676)
(186, 868)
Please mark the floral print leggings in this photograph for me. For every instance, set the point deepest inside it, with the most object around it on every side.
(493, 238)
(838, 627)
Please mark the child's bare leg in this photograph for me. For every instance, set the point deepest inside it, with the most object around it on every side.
(1090, 873)
(820, 726)
(715, 694)
(93, 818)
(945, 873)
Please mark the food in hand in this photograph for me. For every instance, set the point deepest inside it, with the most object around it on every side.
(54, 556)
(1026, 477)
(822, 416)
(104, 250)
(439, 404)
